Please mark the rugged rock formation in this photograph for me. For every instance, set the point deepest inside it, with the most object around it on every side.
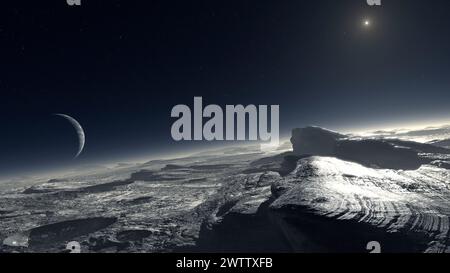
(364, 190)
(330, 205)
(239, 219)
(332, 194)
(340, 206)
(314, 141)
(375, 153)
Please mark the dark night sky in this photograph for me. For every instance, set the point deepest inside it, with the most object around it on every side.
(119, 67)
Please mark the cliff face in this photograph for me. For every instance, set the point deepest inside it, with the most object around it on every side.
(342, 205)
(378, 154)
(375, 153)
(347, 193)
(330, 205)
(314, 141)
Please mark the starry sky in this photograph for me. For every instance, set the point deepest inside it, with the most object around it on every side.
(119, 67)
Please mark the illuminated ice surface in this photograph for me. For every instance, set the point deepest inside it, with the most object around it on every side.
(236, 199)
(154, 205)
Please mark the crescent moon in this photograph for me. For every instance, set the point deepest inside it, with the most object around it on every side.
(79, 130)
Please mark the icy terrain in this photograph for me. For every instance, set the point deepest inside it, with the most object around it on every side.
(330, 193)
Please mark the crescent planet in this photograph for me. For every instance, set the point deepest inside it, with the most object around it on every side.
(78, 129)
